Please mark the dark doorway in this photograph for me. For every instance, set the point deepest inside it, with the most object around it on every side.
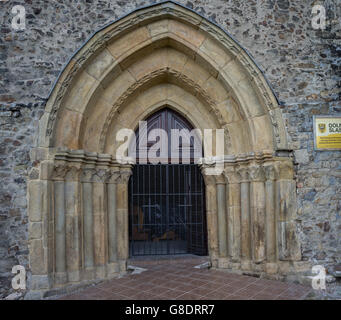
(167, 201)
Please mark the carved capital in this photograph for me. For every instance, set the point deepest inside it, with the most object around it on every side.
(59, 172)
(87, 174)
(124, 176)
(256, 173)
(270, 171)
(99, 175)
(113, 176)
(73, 173)
(208, 178)
(220, 179)
(232, 175)
(243, 173)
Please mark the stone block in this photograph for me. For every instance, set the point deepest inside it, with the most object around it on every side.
(186, 33)
(113, 269)
(118, 87)
(37, 257)
(223, 263)
(158, 28)
(301, 156)
(271, 268)
(100, 65)
(215, 90)
(288, 243)
(36, 195)
(121, 45)
(68, 129)
(286, 199)
(34, 295)
(215, 53)
(35, 230)
(73, 276)
(39, 282)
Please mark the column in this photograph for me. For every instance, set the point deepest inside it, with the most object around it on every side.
(257, 193)
(234, 214)
(88, 218)
(122, 216)
(73, 224)
(270, 209)
(222, 221)
(60, 229)
(245, 218)
(112, 222)
(99, 202)
(211, 214)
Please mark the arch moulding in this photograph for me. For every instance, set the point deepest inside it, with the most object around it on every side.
(160, 55)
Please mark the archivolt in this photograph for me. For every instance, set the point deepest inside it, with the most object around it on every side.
(249, 108)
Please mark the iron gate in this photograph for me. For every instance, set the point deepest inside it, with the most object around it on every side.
(167, 210)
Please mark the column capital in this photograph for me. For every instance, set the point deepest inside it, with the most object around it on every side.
(113, 175)
(256, 172)
(99, 175)
(124, 175)
(87, 174)
(244, 174)
(59, 171)
(221, 179)
(208, 178)
(232, 175)
(270, 171)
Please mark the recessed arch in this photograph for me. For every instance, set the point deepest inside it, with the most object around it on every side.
(107, 56)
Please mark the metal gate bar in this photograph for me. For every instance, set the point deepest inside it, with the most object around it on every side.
(167, 210)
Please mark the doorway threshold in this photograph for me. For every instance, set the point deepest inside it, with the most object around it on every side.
(143, 261)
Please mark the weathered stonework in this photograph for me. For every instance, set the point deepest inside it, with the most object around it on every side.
(301, 65)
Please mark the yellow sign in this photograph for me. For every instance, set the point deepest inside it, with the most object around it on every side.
(327, 132)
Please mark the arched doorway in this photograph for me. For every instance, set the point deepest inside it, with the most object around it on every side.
(167, 200)
(78, 191)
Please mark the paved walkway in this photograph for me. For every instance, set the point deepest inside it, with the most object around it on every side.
(178, 280)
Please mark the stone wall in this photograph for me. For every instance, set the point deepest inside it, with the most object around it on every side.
(301, 64)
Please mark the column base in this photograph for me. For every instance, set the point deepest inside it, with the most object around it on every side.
(113, 269)
(271, 268)
(245, 265)
(223, 263)
(74, 276)
(39, 282)
(88, 273)
(60, 278)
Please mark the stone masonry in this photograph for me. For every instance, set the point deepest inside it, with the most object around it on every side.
(301, 64)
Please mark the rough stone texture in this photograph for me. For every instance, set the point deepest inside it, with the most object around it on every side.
(301, 64)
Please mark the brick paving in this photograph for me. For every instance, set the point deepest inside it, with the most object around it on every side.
(178, 280)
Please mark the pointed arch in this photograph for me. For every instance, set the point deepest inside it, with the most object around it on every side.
(163, 43)
(161, 55)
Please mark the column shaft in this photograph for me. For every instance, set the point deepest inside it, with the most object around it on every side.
(99, 225)
(59, 208)
(88, 225)
(112, 228)
(122, 221)
(73, 230)
(245, 221)
(222, 223)
(270, 221)
(234, 223)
